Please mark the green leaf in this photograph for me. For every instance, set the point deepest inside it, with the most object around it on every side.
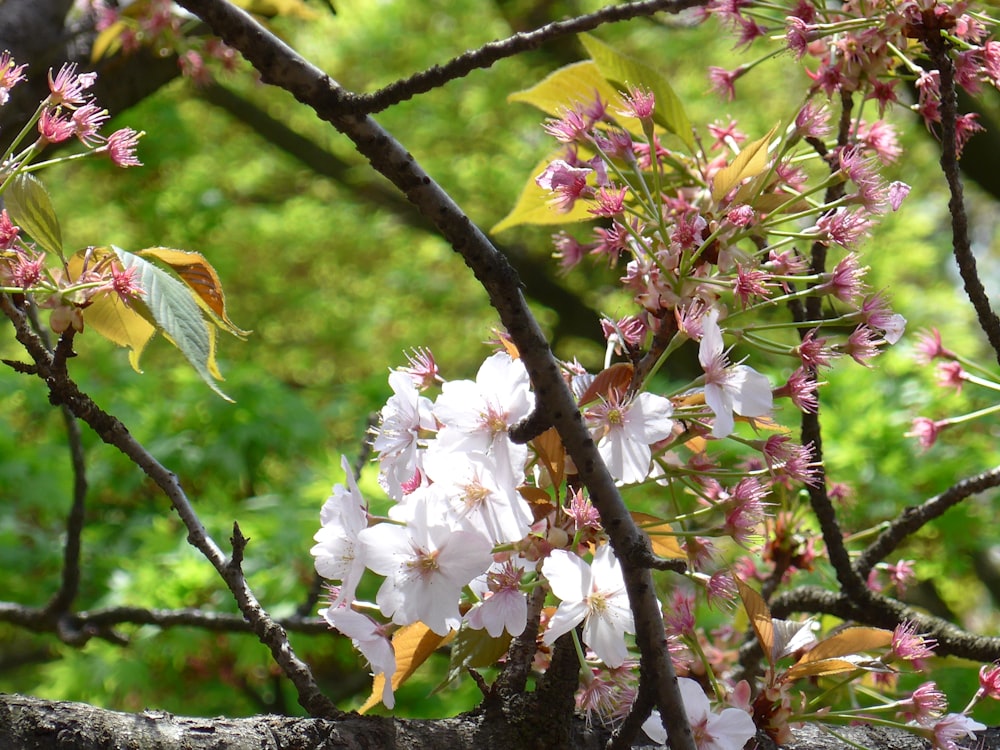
(623, 70)
(30, 207)
(749, 162)
(177, 314)
(573, 84)
(534, 205)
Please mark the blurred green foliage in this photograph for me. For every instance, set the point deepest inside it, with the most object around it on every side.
(335, 289)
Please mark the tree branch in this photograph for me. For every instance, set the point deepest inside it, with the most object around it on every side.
(488, 54)
(961, 243)
(882, 612)
(63, 391)
(279, 64)
(913, 518)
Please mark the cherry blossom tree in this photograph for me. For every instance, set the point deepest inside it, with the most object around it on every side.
(509, 492)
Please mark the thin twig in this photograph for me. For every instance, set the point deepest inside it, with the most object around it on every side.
(69, 584)
(101, 623)
(914, 518)
(63, 391)
(488, 54)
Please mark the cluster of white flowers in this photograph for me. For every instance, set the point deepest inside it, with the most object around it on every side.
(461, 528)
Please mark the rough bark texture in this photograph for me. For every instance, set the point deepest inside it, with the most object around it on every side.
(33, 724)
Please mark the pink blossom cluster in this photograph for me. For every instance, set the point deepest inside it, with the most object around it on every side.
(871, 49)
(68, 111)
(478, 520)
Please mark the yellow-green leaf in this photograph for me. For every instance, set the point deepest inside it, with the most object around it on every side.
(534, 205)
(109, 317)
(108, 41)
(820, 669)
(552, 455)
(200, 277)
(30, 207)
(413, 645)
(474, 648)
(623, 70)
(577, 83)
(749, 162)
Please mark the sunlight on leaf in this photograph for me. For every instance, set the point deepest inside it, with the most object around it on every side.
(201, 278)
(847, 642)
(551, 454)
(413, 645)
(28, 203)
(821, 668)
(760, 617)
(615, 379)
(474, 648)
(534, 204)
(108, 41)
(749, 162)
(623, 70)
(109, 317)
(177, 314)
(576, 84)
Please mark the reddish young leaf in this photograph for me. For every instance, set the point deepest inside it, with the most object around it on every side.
(618, 377)
(760, 617)
(413, 645)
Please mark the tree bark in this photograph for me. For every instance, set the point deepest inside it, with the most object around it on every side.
(34, 724)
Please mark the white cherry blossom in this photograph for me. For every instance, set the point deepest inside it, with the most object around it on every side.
(426, 563)
(369, 638)
(729, 388)
(503, 605)
(475, 416)
(338, 551)
(404, 415)
(625, 430)
(483, 491)
(594, 595)
(729, 730)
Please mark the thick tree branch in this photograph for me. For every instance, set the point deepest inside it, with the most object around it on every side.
(280, 65)
(882, 612)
